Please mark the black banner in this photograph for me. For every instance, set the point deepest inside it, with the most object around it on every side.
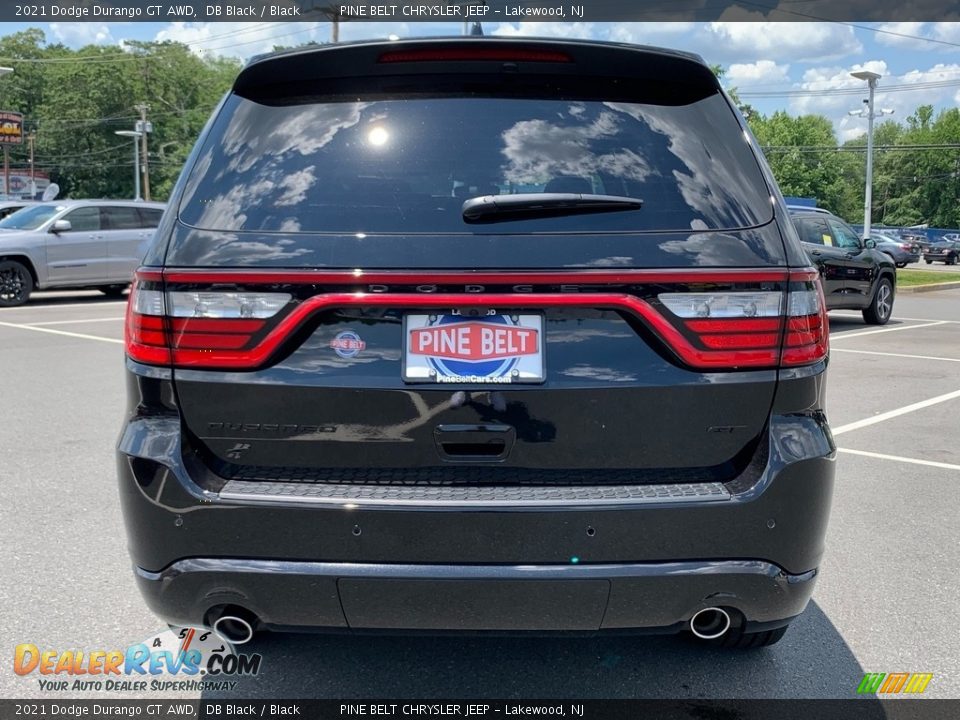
(475, 10)
(220, 709)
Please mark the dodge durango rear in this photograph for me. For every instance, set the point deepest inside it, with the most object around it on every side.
(477, 334)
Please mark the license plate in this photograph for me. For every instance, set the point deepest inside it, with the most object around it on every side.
(495, 347)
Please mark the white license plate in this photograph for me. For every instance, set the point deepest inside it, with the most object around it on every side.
(498, 348)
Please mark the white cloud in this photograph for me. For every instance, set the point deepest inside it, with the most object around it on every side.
(911, 35)
(650, 33)
(82, 33)
(902, 102)
(242, 39)
(546, 29)
(797, 42)
(761, 72)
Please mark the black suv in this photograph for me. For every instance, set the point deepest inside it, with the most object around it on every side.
(945, 251)
(477, 334)
(854, 274)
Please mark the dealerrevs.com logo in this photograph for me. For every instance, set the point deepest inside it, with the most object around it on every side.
(179, 659)
(894, 683)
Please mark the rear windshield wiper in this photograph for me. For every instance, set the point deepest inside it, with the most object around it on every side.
(526, 206)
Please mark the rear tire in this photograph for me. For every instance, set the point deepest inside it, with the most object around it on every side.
(952, 260)
(16, 283)
(881, 306)
(113, 291)
(929, 262)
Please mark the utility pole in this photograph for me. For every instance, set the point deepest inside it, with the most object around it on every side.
(31, 138)
(871, 78)
(144, 128)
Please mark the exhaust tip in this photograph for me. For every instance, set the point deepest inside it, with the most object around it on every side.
(236, 628)
(710, 623)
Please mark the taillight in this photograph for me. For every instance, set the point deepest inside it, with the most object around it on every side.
(782, 322)
(730, 330)
(196, 328)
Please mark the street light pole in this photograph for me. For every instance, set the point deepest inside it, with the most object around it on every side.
(871, 78)
(136, 158)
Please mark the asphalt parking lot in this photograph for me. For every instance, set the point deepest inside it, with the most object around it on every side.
(886, 601)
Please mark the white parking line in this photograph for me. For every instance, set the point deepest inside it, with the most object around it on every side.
(896, 413)
(61, 332)
(856, 315)
(898, 355)
(72, 322)
(898, 458)
(57, 306)
(840, 336)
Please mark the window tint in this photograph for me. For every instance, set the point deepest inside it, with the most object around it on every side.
(83, 219)
(814, 231)
(150, 217)
(845, 236)
(30, 218)
(408, 165)
(119, 218)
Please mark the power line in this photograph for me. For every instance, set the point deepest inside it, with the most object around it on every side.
(832, 92)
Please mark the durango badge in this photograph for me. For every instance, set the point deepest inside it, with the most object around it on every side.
(347, 344)
(497, 348)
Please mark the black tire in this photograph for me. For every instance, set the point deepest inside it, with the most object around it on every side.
(929, 262)
(112, 290)
(881, 305)
(739, 640)
(16, 283)
(952, 260)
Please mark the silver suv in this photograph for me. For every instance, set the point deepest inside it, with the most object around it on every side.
(73, 244)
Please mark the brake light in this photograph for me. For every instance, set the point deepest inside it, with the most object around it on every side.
(749, 329)
(781, 322)
(205, 328)
(458, 54)
(807, 339)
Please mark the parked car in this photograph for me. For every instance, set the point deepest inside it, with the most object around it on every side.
(947, 251)
(952, 237)
(854, 273)
(8, 207)
(481, 338)
(73, 244)
(902, 252)
(807, 208)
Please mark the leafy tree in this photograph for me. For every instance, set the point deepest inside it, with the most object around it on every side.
(75, 101)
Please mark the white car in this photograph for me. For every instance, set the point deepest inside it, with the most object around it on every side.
(73, 244)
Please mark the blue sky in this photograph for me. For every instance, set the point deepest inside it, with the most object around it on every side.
(802, 67)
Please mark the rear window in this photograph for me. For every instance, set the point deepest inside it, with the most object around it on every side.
(407, 165)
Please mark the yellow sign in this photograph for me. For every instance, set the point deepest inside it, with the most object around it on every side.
(11, 128)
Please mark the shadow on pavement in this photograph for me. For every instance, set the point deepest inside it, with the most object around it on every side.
(812, 661)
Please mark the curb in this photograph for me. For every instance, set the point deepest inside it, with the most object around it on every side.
(952, 285)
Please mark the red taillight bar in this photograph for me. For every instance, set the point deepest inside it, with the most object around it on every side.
(188, 346)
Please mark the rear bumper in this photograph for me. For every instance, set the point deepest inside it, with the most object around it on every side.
(651, 597)
(542, 559)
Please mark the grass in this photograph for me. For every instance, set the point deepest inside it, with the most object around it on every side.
(907, 278)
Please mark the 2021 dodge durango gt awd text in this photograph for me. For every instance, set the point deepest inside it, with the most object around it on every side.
(478, 334)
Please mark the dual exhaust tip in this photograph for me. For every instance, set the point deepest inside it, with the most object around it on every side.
(235, 625)
(710, 623)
